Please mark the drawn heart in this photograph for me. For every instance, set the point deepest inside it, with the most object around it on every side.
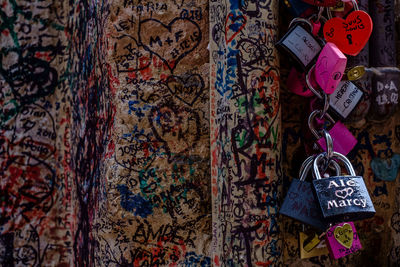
(344, 193)
(170, 42)
(384, 169)
(233, 25)
(349, 35)
(324, 3)
(344, 235)
(177, 127)
(186, 89)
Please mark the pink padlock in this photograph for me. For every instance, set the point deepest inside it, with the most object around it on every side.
(342, 240)
(330, 66)
(343, 140)
(297, 83)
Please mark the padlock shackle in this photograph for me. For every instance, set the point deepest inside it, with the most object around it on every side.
(337, 155)
(309, 85)
(307, 164)
(355, 6)
(295, 20)
(305, 167)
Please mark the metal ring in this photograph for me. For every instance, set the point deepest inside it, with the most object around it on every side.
(326, 105)
(301, 20)
(309, 85)
(305, 167)
(341, 157)
(311, 123)
(329, 162)
(329, 144)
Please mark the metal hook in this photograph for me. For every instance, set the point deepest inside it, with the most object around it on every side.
(329, 144)
(309, 85)
(311, 121)
(326, 105)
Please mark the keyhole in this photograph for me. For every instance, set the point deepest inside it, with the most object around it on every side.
(349, 38)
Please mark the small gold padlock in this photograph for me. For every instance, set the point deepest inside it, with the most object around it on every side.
(312, 246)
(356, 73)
(338, 8)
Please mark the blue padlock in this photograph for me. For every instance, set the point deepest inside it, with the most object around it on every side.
(300, 203)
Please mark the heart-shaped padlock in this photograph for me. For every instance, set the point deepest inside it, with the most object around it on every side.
(342, 240)
(351, 34)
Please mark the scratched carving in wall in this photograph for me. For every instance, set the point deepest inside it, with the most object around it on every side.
(36, 210)
(245, 134)
(156, 205)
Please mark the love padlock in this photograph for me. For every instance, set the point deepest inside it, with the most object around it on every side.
(300, 203)
(300, 44)
(330, 66)
(342, 198)
(351, 34)
(343, 140)
(311, 245)
(342, 240)
(345, 98)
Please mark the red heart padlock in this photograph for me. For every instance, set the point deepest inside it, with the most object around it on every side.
(324, 3)
(350, 35)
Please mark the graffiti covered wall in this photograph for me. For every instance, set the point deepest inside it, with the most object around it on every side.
(37, 211)
(245, 133)
(154, 208)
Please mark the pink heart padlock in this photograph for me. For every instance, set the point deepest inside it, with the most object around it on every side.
(330, 66)
(342, 240)
(343, 140)
(297, 84)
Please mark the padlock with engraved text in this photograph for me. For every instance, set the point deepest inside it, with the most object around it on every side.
(299, 43)
(343, 140)
(342, 198)
(342, 240)
(300, 203)
(330, 66)
(342, 102)
(350, 34)
(345, 99)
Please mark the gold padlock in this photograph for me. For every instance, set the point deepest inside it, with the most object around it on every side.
(312, 246)
(338, 8)
(356, 73)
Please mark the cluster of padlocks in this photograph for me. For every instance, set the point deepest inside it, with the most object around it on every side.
(328, 205)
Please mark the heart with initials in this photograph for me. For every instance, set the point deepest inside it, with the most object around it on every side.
(177, 127)
(233, 25)
(350, 35)
(170, 42)
(186, 89)
(344, 235)
(344, 193)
